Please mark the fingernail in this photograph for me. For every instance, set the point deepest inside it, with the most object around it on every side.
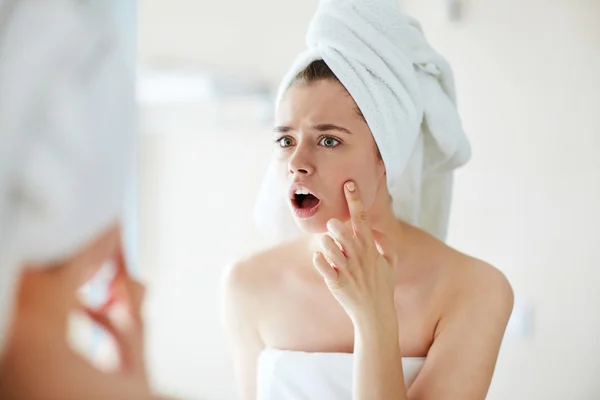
(350, 186)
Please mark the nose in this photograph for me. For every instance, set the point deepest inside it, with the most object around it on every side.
(301, 163)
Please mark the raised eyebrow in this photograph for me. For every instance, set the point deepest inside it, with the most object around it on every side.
(281, 129)
(330, 127)
(320, 128)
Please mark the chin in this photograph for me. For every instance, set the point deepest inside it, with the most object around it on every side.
(313, 225)
(317, 224)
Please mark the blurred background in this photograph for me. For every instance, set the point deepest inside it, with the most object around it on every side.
(528, 80)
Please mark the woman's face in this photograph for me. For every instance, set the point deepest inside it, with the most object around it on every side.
(322, 142)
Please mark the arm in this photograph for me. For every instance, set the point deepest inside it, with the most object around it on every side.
(378, 359)
(359, 272)
(462, 359)
(239, 318)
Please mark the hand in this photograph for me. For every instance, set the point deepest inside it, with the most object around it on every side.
(357, 264)
(40, 362)
(121, 317)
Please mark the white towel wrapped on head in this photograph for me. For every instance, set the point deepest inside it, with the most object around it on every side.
(404, 89)
(66, 133)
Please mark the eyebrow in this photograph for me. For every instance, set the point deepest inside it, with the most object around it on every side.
(320, 128)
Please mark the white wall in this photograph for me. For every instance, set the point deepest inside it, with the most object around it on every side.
(194, 172)
(527, 75)
(258, 38)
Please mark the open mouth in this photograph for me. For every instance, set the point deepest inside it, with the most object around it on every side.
(304, 200)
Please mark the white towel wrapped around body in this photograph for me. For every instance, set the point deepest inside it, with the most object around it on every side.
(66, 132)
(404, 89)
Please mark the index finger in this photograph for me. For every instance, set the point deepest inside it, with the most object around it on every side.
(126, 288)
(358, 214)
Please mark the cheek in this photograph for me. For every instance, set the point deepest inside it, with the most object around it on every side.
(281, 169)
(368, 177)
(367, 180)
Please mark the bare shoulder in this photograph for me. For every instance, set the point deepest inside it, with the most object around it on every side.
(462, 280)
(248, 287)
(488, 283)
(257, 272)
(480, 288)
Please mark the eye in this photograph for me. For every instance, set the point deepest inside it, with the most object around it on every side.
(284, 141)
(330, 142)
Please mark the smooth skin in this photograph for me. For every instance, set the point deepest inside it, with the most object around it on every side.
(420, 298)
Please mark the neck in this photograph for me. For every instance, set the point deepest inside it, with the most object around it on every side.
(381, 216)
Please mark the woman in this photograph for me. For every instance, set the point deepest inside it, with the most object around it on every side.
(367, 137)
(66, 135)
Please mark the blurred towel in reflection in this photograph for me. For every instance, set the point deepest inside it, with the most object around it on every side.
(65, 138)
